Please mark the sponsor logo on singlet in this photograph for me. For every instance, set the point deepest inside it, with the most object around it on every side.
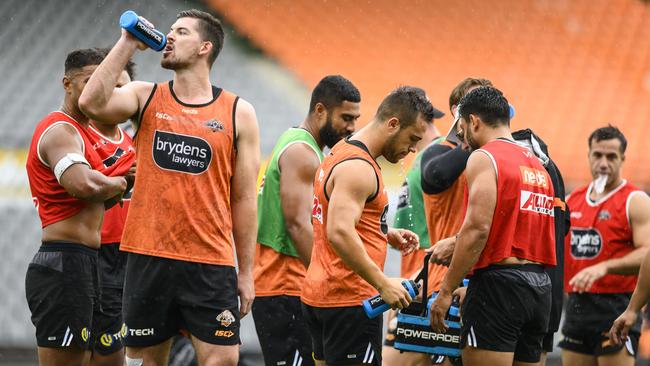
(536, 202)
(114, 158)
(533, 177)
(604, 215)
(181, 153)
(576, 214)
(317, 210)
(585, 243)
(214, 125)
(164, 116)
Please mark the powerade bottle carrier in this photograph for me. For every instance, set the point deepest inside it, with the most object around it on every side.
(414, 332)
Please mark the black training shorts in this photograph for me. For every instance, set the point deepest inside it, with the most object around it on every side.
(506, 309)
(108, 330)
(344, 335)
(62, 291)
(588, 319)
(282, 331)
(163, 296)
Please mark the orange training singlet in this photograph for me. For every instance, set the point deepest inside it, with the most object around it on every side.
(276, 273)
(329, 281)
(180, 207)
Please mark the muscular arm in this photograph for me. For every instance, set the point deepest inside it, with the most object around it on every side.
(243, 199)
(441, 166)
(79, 180)
(639, 219)
(640, 223)
(298, 164)
(352, 182)
(101, 100)
(482, 185)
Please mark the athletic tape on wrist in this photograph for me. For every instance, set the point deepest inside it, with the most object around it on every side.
(67, 161)
(133, 361)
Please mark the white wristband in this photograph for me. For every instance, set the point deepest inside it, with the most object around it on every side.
(67, 161)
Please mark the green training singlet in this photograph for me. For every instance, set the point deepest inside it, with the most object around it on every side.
(270, 220)
(410, 206)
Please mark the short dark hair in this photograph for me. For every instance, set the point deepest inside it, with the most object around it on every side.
(488, 103)
(210, 29)
(333, 90)
(608, 133)
(461, 89)
(130, 65)
(406, 103)
(80, 58)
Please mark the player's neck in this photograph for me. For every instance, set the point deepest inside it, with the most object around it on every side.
(73, 111)
(594, 196)
(193, 87)
(311, 126)
(110, 131)
(497, 133)
(374, 139)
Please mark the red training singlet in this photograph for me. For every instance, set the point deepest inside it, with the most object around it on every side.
(600, 231)
(114, 153)
(52, 201)
(523, 221)
(329, 281)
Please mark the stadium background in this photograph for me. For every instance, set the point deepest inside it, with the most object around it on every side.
(567, 66)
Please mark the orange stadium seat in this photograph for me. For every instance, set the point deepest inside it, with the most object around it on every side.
(568, 67)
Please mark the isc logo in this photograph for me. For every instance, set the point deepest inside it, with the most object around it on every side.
(224, 333)
(165, 116)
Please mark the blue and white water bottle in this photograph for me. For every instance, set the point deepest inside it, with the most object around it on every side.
(152, 37)
(375, 305)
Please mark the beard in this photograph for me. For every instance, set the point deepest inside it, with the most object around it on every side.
(171, 63)
(390, 152)
(328, 135)
(473, 145)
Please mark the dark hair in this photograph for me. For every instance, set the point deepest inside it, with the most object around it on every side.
(78, 59)
(488, 103)
(333, 90)
(210, 29)
(406, 103)
(461, 89)
(130, 65)
(608, 133)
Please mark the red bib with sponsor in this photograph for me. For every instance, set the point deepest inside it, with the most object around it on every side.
(599, 231)
(523, 222)
(114, 153)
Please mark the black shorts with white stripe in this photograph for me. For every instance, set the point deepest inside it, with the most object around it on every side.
(599, 344)
(62, 291)
(282, 332)
(506, 309)
(344, 335)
